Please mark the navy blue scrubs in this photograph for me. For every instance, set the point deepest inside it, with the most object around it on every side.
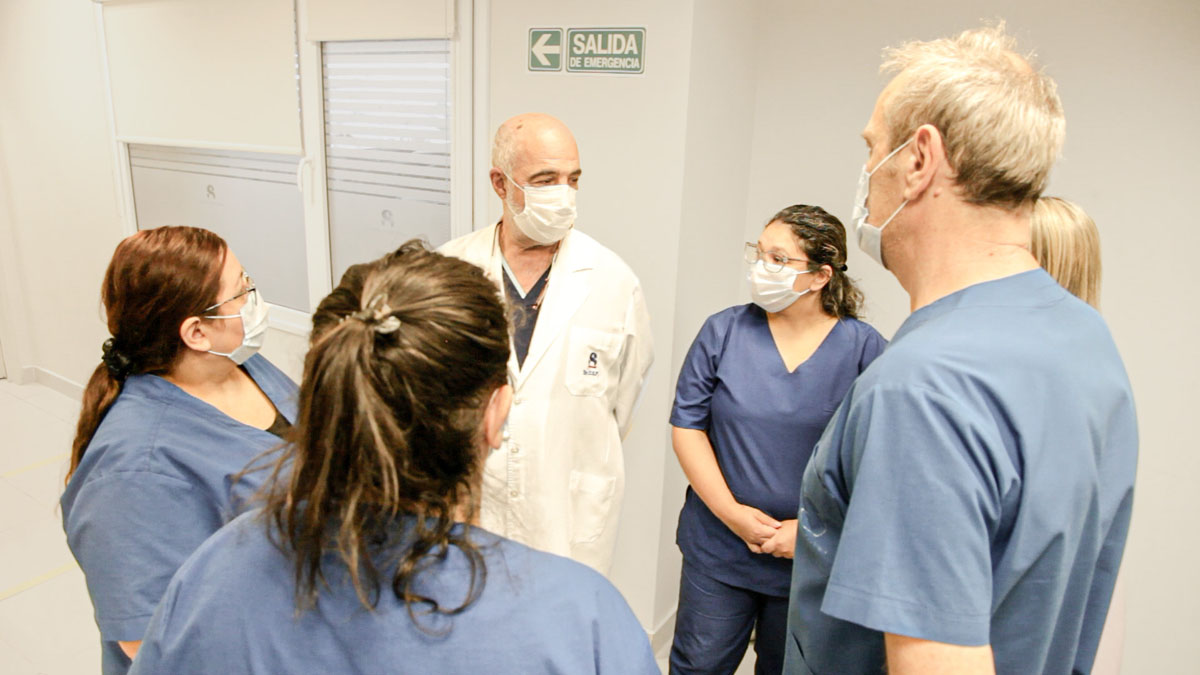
(762, 421)
(155, 481)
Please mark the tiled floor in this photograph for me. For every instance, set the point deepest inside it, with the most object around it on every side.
(46, 624)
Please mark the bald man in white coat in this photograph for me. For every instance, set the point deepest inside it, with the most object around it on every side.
(581, 351)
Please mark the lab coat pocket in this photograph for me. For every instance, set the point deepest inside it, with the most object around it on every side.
(591, 502)
(591, 356)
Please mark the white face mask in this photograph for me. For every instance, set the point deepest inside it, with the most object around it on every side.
(549, 211)
(870, 238)
(254, 328)
(773, 291)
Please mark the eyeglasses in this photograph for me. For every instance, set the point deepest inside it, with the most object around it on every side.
(772, 261)
(247, 287)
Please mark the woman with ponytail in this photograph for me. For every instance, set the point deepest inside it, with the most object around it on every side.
(757, 387)
(178, 406)
(364, 557)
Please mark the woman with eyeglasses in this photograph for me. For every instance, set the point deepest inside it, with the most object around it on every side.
(364, 556)
(756, 389)
(177, 408)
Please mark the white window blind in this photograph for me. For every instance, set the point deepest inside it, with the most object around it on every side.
(387, 146)
(248, 198)
(204, 72)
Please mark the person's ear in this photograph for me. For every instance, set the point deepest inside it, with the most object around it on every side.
(922, 164)
(194, 334)
(820, 278)
(495, 415)
(499, 186)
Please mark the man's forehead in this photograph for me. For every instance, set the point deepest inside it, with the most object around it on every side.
(535, 157)
(875, 132)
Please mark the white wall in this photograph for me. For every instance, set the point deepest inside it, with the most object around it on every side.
(716, 166)
(59, 213)
(1126, 74)
(58, 223)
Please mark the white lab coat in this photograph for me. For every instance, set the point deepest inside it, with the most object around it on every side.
(556, 483)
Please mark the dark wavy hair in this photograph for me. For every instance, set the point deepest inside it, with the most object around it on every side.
(822, 237)
(156, 280)
(404, 356)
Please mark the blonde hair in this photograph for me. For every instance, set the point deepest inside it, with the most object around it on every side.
(1000, 118)
(1067, 244)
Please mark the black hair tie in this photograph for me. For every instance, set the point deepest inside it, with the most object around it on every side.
(844, 268)
(117, 363)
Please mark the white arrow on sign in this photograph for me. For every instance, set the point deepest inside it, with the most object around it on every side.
(541, 49)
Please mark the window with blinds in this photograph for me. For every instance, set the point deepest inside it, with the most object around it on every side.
(249, 198)
(387, 146)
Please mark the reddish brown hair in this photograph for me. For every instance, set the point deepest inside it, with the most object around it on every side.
(156, 280)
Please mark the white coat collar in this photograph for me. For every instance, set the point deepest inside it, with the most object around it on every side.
(568, 288)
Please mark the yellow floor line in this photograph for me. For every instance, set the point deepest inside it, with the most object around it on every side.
(42, 578)
(36, 465)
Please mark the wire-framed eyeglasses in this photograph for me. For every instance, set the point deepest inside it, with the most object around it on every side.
(247, 287)
(773, 261)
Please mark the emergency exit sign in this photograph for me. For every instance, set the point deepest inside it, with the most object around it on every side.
(587, 50)
(606, 50)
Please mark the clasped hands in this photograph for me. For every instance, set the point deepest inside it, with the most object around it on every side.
(762, 533)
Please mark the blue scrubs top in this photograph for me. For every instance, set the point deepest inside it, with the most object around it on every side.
(974, 488)
(762, 422)
(232, 609)
(155, 482)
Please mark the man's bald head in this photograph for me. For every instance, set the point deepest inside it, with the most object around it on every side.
(530, 136)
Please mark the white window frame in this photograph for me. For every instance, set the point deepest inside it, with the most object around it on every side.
(469, 151)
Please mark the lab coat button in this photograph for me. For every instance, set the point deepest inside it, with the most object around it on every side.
(513, 449)
(512, 493)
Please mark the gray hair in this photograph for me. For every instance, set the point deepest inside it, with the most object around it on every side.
(1000, 117)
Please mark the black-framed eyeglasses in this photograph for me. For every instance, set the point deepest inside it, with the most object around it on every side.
(247, 287)
(772, 260)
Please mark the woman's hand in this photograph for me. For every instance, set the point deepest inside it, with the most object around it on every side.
(753, 526)
(783, 543)
(699, 463)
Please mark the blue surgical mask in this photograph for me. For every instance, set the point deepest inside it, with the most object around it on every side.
(870, 238)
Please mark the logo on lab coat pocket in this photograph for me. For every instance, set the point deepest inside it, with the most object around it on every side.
(593, 365)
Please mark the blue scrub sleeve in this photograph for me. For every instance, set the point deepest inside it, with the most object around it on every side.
(915, 551)
(130, 532)
(151, 657)
(698, 379)
(621, 644)
(873, 346)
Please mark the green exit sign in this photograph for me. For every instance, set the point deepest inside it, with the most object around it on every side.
(606, 50)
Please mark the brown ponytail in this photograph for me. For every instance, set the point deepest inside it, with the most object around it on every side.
(403, 357)
(156, 279)
(823, 239)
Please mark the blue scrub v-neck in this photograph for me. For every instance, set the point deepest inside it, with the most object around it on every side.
(766, 325)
